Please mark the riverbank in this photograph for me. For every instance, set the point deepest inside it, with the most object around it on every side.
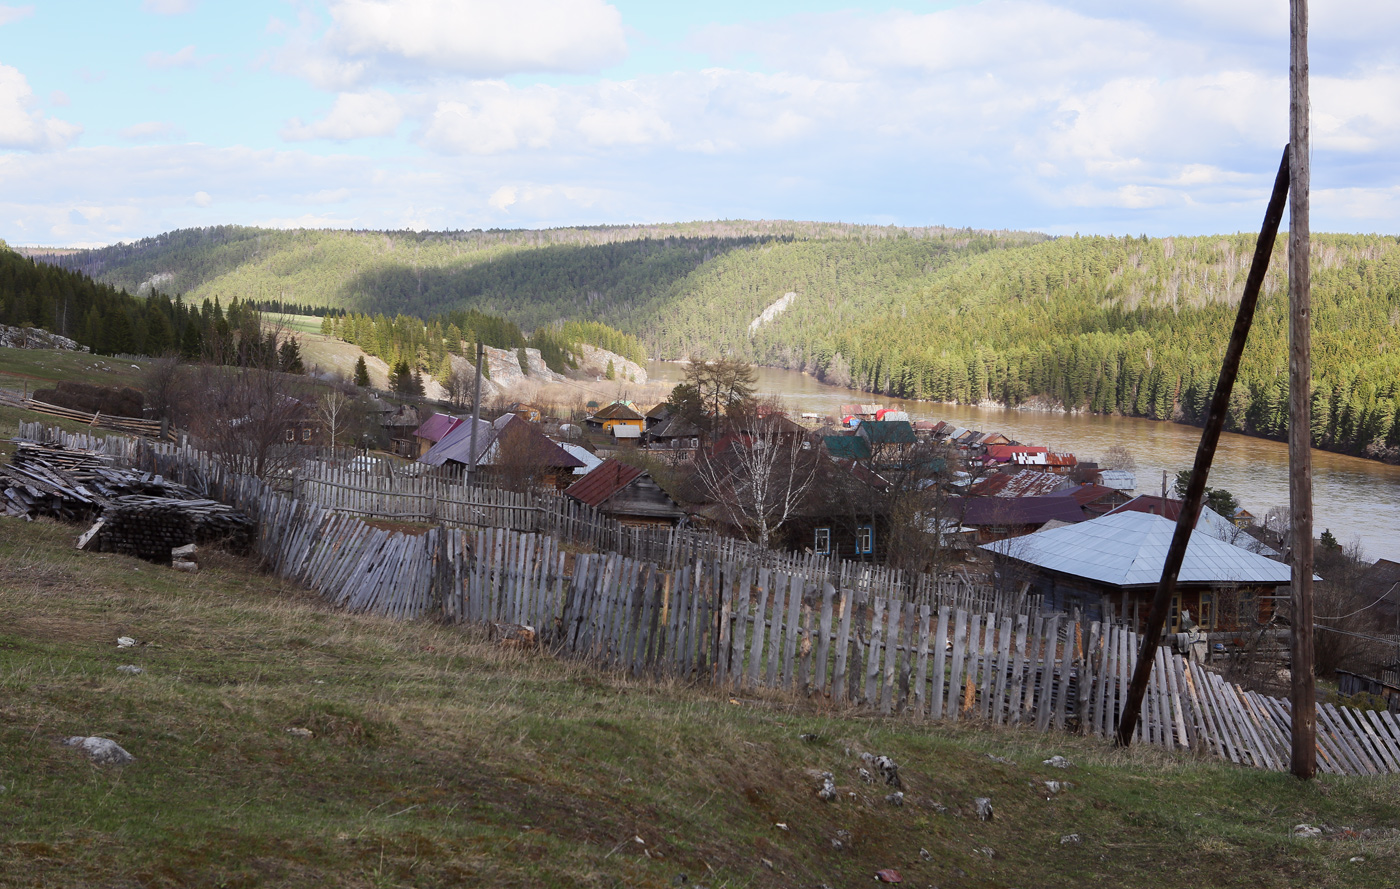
(1357, 499)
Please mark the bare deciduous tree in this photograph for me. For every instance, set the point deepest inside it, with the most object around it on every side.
(760, 474)
(334, 409)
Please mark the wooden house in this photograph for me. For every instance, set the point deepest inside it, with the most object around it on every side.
(619, 413)
(628, 494)
(1117, 560)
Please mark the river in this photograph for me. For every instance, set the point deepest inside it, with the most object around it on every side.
(1358, 500)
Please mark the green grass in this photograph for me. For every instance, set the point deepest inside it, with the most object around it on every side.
(441, 760)
(39, 368)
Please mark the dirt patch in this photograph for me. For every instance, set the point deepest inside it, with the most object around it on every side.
(413, 529)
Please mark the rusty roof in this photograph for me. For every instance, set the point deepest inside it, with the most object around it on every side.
(606, 480)
(618, 410)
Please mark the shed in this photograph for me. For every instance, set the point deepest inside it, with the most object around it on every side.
(627, 493)
(1118, 558)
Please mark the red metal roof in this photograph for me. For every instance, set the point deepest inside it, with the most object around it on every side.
(436, 426)
(610, 477)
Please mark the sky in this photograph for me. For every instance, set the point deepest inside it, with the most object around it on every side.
(121, 119)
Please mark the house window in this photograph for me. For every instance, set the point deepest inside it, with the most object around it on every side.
(306, 435)
(865, 539)
(291, 435)
(822, 544)
(1207, 606)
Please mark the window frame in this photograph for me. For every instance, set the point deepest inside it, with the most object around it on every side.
(821, 541)
(865, 540)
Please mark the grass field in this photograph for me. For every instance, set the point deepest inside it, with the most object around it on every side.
(438, 759)
(37, 368)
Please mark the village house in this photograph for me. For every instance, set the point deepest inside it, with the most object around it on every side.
(508, 449)
(431, 431)
(402, 424)
(619, 413)
(1116, 561)
(628, 494)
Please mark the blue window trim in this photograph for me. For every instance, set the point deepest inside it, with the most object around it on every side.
(868, 545)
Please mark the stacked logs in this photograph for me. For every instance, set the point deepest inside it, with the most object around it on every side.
(72, 485)
(150, 527)
(137, 513)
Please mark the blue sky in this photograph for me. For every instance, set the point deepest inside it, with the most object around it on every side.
(124, 118)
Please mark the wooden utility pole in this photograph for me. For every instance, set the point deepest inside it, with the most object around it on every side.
(476, 413)
(1303, 694)
(1205, 453)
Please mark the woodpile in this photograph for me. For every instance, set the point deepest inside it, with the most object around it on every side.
(72, 485)
(137, 513)
(151, 527)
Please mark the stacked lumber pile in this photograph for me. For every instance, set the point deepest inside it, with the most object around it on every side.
(137, 513)
(71, 485)
(151, 527)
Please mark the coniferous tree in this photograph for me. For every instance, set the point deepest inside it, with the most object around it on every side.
(361, 373)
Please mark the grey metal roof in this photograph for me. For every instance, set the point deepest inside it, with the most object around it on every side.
(1128, 550)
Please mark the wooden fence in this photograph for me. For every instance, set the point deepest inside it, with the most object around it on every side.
(130, 425)
(750, 624)
(747, 626)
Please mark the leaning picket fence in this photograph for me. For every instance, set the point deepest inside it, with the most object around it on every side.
(748, 627)
(751, 625)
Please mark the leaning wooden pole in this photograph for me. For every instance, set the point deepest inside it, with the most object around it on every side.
(1303, 694)
(1205, 454)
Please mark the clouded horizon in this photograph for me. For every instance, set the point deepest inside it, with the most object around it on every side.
(120, 120)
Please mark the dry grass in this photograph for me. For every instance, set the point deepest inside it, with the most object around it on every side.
(438, 759)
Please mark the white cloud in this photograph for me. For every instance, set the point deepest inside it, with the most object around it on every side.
(395, 39)
(23, 127)
(492, 117)
(202, 199)
(14, 13)
(168, 7)
(353, 116)
(502, 197)
(182, 58)
(59, 98)
(151, 131)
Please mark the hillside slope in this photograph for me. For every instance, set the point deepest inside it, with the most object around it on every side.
(426, 756)
(1115, 325)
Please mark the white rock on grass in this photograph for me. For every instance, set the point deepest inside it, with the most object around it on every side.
(1058, 762)
(1306, 831)
(130, 668)
(103, 751)
(984, 808)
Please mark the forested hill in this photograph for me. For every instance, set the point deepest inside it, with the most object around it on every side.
(1129, 325)
(1137, 326)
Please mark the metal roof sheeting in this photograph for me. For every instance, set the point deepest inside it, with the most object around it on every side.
(1128, 549)
(603, 482)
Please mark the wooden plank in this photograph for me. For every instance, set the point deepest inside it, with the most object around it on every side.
(775, 629)
(804, 672)
(791, 632)
(893, 609)
(1358, 763)
(742, 632)
(1018, 671)
(1390, 741)
(940, 655)
(1361, 739)
(1048, 658)
(920, 701)
(843, 639)
(1003, 666)
(823, 639)
(871, 695)
(1219, 727)
(760, 627)
(1035, 655)
(955, 676)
